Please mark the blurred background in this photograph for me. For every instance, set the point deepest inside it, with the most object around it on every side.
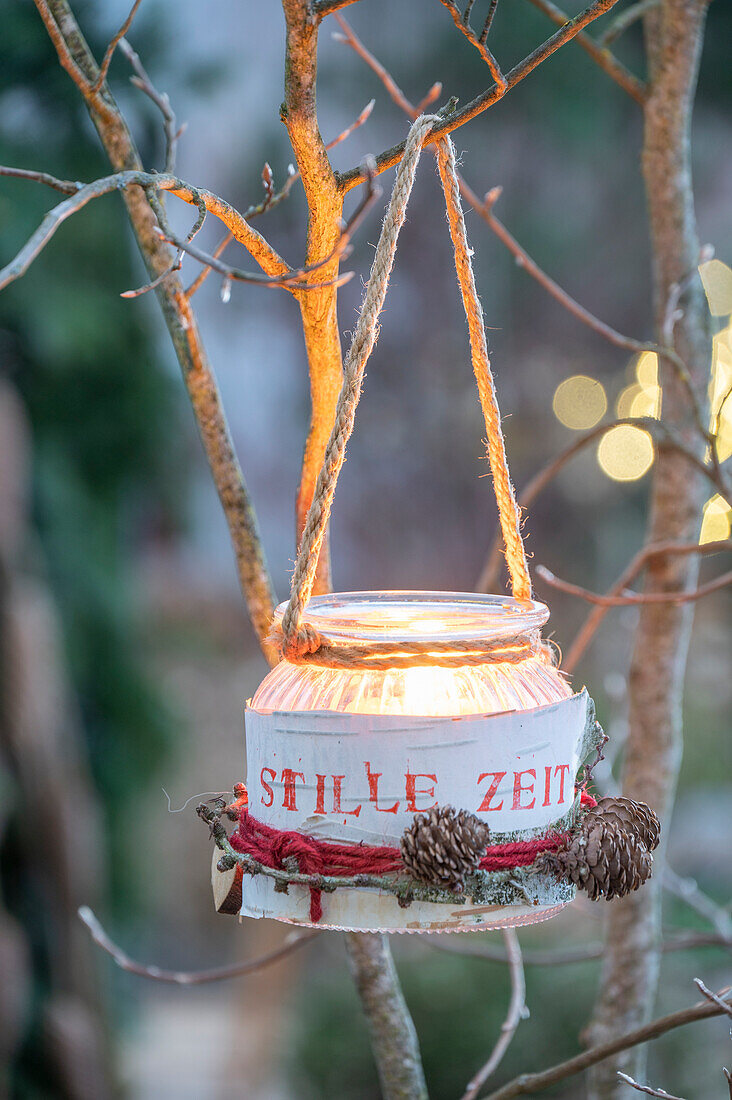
(126, 653)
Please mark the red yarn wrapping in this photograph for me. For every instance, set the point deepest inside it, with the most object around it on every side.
(271, 847)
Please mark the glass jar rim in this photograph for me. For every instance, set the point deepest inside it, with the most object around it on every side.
(413, 616)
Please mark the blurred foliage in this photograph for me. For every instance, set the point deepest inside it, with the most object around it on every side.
(87, 367)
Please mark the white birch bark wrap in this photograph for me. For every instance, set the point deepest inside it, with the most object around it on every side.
(359, 777)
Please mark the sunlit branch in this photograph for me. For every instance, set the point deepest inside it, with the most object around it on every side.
(482, 102)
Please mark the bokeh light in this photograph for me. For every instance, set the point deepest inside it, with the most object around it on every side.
(625, 453)
(579, 402)
(720, 394)
(716, 521)
(716, 278)
(643, 397)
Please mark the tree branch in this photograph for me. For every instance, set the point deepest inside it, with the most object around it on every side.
(109, 52)
(392, 1032)
(77, 59)
(633, 599)
(631, 571)
(687, 941)
(517, 1011)
(479, 41)
(599, 53)
(528, 1083)
(294, 941)
(325, 207)
(481, 103)
(647, 1088)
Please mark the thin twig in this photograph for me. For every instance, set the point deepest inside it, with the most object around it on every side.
(292, 279)
(517, 1011)
(689, 891)
(204, 273)
(66, 187)
(623, 20)
(600, 54)
(647, 1088)
(328, 7)
(294, 941)
(529, 1083)
(713, 997)
(591, 624)
(109, 52)
(273, 199)
(161, 100)
(481, 103)
(479, 41)
(687, 941)
(632, 599)
(198, 377)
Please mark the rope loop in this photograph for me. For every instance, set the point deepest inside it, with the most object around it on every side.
(297, 639)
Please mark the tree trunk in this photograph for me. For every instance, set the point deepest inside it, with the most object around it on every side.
(674, 33)
(393, 1037)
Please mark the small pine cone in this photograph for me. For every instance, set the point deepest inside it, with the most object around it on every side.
(634, 818)
(444, 845)
(602, 859)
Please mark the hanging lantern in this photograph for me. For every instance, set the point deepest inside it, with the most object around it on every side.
(414, 761)
(350, 755)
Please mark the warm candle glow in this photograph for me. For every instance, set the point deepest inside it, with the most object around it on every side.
(426, 689)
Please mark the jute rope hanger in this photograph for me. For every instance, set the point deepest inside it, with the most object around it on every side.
(299, 640)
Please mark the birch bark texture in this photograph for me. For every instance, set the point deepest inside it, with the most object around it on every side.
(673, 36)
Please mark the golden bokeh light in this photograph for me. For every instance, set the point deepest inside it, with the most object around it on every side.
(625, 453)
(646, 369)
(720, 395)
(579, 402)
(643, 397)
(716, 278)
(716, 522)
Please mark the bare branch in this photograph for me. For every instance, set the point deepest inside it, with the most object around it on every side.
(647, 1088)
(328, 7)
(393, 1036)
(714, 997)
(293, 942)
(66, 187)
(686, 941)
(84, 83)
(482, 102)
(256, 585)
(479, 41)
(623, 20)
(109, 52)
(528, 1083)
(204, 273)
(517, 1011)
(688, 891)
(660, 431)
(150, 181)
(161, 100)
(600, 54)
(631, 599)
(631, 571)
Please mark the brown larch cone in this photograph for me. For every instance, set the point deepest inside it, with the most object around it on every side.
(444, 845)
(635, 818)
(602, 859)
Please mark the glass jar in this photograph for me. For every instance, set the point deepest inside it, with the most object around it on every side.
(399, 617)
(351, 754)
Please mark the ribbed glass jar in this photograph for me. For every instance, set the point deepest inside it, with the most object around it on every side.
(398, 617)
